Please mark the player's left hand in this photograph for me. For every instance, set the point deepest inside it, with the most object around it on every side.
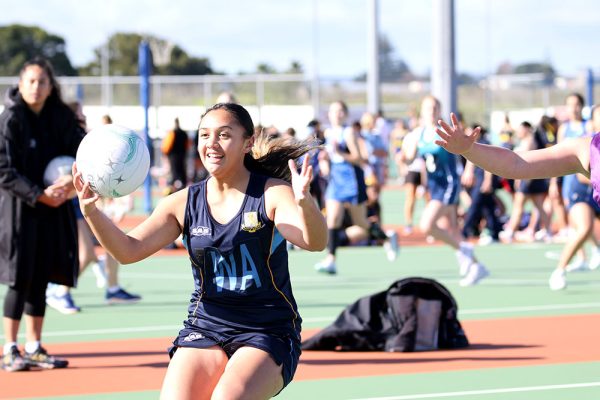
(301, 180)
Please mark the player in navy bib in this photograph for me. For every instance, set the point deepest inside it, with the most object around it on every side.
(241, 337)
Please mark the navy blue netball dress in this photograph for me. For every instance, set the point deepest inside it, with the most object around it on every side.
(243, 294)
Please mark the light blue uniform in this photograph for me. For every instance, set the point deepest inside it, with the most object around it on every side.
(443, 182)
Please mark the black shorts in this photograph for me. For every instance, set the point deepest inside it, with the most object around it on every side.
(413, 177)
(533, 186)
(284, 349)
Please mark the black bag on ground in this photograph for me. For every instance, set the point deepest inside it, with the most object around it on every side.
(414, 314)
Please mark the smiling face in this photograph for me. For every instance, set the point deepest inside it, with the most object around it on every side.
(222, 143)
(35, 87)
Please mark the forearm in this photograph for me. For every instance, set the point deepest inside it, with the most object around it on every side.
(314, 227)
(110, 236)
(500, 161)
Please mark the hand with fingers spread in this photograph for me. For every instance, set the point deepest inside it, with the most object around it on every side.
(301, 180)
(453, 138)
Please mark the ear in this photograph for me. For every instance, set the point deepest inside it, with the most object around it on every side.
(249, 144)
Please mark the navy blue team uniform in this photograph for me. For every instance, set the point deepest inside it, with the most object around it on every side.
(243, 294)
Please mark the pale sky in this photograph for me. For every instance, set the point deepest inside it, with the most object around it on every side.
(236, 35)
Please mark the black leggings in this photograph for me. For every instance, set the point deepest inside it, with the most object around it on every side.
(32, 300)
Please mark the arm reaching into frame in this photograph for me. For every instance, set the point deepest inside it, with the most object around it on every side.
(567, 157)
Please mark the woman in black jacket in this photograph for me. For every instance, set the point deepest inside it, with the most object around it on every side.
(38, 234)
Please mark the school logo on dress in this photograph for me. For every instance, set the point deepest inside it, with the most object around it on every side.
(200, 231)
(251, 222)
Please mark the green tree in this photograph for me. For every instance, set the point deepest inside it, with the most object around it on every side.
(264, 68)
(123, 51)
(391, 68)
(19, 43)
(295, 68)
(182, 64)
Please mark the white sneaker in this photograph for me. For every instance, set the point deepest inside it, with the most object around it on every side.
(476, 273)
(391, 245)
(543, 236)
(558, 279)
(506, 236)
(594, 259)
(326, 268)
(577, 265)
(465, 257)
(99, 269)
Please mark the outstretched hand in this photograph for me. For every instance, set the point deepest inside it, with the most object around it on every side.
(453, 138)
(301, 180)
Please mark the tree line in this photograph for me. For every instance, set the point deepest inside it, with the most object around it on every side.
(19, 43)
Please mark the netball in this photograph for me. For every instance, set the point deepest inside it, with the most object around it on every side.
(57, 167)
(114, 160)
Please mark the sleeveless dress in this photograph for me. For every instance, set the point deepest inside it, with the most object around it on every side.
(242, 291)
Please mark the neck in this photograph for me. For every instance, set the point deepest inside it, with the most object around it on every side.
(234, 181)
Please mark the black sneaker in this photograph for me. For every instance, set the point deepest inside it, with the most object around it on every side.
(40, 358)
(121, 297)
(13, 361)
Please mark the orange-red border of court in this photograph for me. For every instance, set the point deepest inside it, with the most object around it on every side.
(139, 364)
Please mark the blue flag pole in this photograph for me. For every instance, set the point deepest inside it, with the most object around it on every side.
(145, 67)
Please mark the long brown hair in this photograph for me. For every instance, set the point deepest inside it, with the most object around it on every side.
(268, 156)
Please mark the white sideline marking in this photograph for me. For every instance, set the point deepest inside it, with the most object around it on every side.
(175, 328)
(486, 391)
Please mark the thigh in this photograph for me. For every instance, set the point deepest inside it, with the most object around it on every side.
(251, 373)
(358, 213)
(335, 213)
(193, 373)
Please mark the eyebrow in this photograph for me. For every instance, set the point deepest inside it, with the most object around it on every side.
(218, 128)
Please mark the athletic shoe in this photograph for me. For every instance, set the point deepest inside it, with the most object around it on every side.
(99, 270)
(464, 255)
(506, 236)
(121, 297)
(408, 229)
(391, 245)
(475, 273)
(577, 265)
(13, 361)
(62, 303)
(326, 268)
(558, 279)
(486, 240)
(594, 259)
(543, 236)
(40, 358)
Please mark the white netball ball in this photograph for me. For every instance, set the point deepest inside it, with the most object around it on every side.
(57, 167)
(113, 159)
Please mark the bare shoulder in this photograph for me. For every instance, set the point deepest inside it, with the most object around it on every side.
(277, 184)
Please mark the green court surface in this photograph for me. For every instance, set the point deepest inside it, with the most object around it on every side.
(517, 288)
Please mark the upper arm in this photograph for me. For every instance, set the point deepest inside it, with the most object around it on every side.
(567, 157)
(281, 207)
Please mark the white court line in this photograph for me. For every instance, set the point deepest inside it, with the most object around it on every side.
(486, 391)
(546, 307)
(174, 328)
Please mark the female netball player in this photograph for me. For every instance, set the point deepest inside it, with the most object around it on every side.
(242, 335)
